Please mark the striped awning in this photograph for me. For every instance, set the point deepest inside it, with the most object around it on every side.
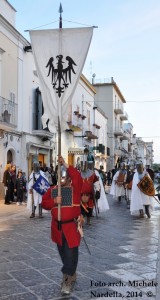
(78, 151)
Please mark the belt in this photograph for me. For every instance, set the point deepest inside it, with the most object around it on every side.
(68, 221)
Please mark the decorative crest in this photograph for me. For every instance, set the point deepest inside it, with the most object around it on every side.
(61, 78)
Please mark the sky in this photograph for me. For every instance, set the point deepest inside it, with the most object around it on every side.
(125, 46)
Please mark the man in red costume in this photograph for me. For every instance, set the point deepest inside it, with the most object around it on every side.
(68, 236)
(88, 193)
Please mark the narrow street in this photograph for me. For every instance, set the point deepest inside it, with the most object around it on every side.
(124, 261)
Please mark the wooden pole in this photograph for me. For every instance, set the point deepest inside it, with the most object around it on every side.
(59, 141)
(59, 174)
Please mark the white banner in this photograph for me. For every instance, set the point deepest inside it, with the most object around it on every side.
(59, 56)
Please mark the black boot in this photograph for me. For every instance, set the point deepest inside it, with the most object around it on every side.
(147, 211)
(40, 211)
(141, 213)
(119, 198)
(33, 212)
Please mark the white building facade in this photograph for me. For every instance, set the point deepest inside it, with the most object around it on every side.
(111, 101)
(21, 140)
(96, 116)
(121, 141)
(87, 125)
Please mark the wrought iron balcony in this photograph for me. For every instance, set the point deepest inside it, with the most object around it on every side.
(118, 109)
(8, 112)
(118, 131)
(90, 135)
(125, 136)
(124, 117)
(74, 127)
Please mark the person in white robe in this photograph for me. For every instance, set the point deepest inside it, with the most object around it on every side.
(102, 202)
(140, 203)
(118, 182)
(34, 198)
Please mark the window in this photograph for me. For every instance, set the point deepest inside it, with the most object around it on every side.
(37, 110)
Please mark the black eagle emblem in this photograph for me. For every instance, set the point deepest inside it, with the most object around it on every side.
(61, 77)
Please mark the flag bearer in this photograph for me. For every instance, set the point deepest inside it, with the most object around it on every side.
(68, 235)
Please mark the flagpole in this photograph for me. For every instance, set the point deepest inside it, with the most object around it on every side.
(59, 141)
(59, 174)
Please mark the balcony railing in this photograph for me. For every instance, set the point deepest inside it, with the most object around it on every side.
(124, 117)
(125, 136)
(118, 109)
(118, 131)
(8, 112)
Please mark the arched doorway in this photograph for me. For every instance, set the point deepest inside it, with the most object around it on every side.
(9, 156)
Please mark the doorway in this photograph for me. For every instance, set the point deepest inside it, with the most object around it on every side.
(9, 156)
(41, 159)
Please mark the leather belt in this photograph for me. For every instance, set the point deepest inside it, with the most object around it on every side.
(68, 221)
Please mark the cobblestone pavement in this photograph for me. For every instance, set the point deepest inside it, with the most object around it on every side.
(124, 260)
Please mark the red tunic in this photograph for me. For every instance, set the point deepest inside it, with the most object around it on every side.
(67, 212)
(88, 188)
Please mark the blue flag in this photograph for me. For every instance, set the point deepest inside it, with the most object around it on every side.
(41, 185)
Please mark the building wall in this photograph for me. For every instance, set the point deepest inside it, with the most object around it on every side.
(109, 99)
(9, 66)
(104, 98)
(26, 92)
(7, 11)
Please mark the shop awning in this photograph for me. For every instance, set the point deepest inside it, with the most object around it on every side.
(78, 151)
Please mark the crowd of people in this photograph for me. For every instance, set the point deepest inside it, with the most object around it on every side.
(15, 185)
(81, 197)
(135, 183)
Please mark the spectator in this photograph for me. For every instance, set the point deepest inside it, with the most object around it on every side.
(13, 183)
(7, 178)
(20, 187)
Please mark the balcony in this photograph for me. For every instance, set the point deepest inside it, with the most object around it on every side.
(90, 136)
(74, 127)
(118, 131)
(118, 110)
(124, 117)
(45, 135)
(125, 136)
(8, 113)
